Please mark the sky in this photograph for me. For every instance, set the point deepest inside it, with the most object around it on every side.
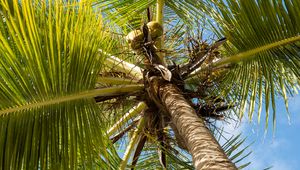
(280, 149)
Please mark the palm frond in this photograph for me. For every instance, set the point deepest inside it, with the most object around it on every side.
(126, 12)
(133, 13)
(263, 38)
(49, 60)
(234, 146)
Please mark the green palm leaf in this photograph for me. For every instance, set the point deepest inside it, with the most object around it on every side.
(263, 38)
(49, 65)
(133, 12)
(57, 59)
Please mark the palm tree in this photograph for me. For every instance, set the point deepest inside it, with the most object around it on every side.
(75, 90)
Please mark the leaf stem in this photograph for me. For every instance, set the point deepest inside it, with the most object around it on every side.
(160, 19)
(116, 81)
(250, 54)
(110, 91)
(160, 11)
(131, 145)
(247, 55)
(130, 114)
(121, 65)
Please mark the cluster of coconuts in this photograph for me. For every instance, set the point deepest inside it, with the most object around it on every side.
(136, 37)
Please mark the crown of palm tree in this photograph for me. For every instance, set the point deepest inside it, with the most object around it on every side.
(75, 95)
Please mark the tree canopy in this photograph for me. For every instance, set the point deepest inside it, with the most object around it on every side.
(74, 94)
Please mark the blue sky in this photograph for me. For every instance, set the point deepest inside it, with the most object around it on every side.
(280, 149)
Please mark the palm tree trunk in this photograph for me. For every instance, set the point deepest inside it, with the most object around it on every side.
(206, 151)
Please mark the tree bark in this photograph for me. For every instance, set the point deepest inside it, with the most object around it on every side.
(206, 152)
